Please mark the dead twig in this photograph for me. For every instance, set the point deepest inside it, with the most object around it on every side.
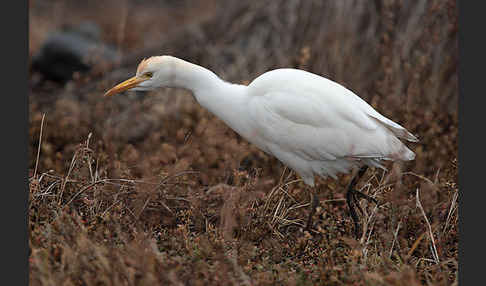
(452, 208)
(394, 238)
(433, 248)
(39, 148)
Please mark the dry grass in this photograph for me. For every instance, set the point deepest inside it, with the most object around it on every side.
(152, 189)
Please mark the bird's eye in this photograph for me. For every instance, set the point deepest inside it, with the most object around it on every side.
(148, 74)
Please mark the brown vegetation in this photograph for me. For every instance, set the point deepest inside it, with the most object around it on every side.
(147, 189)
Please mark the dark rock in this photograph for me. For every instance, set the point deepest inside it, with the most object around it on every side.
(74, 49)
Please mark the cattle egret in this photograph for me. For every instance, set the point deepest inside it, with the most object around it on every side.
(311, 124)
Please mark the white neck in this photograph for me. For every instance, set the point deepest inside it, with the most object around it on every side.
(223, 99)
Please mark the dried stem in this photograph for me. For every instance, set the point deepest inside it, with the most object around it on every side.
(431, 234)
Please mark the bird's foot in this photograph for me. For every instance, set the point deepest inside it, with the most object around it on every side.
(352, 198)
(312, 209)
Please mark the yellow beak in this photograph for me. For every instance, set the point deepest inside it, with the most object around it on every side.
(128, 84)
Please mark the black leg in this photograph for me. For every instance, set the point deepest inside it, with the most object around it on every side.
(351, 200)
(353, 196)
(312, 209)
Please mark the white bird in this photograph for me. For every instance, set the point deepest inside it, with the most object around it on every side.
(313, 125)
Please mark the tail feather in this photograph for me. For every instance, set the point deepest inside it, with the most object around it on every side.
(404, 134)
(396, 128)
(407, 154)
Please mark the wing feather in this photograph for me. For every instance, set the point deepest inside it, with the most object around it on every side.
(315, 125)
(304, 125)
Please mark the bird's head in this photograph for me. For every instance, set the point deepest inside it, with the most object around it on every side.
(152, 73)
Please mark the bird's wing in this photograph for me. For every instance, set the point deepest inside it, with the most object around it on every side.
(310, 124)
(319, 100)
(396, 128)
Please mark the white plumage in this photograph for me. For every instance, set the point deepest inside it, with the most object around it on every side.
(311, 124)
(316, 126)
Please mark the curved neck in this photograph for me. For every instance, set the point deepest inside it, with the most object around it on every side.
(190, 76)
(223, 99)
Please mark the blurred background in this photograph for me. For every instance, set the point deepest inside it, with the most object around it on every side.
(399, 56)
